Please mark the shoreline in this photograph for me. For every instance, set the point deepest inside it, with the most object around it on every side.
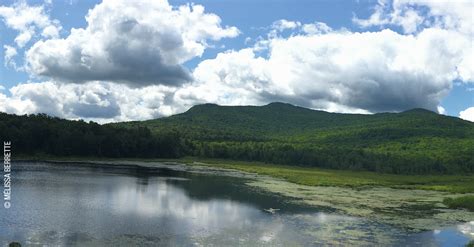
(413, 209)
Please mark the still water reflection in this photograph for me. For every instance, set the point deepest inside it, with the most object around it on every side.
(65, 204)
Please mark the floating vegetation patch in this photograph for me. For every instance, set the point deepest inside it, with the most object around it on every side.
(416, 210)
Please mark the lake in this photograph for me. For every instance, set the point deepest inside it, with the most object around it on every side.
(101, 205)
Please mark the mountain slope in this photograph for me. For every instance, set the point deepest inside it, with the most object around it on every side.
(414, 141)
(279, 120)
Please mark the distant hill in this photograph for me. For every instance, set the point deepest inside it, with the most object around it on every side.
(417, 141)
(414, 141)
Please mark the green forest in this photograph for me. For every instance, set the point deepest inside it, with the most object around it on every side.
(44, 135)
(417, 141)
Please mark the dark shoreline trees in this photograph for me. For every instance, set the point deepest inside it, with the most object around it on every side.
(44, 135)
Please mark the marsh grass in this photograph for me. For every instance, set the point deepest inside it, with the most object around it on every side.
(465, 202)
(355, 179)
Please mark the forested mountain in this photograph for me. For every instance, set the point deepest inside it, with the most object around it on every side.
(416, 141)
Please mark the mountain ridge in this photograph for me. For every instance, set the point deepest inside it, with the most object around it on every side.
(412, 142)
(278, 113)
(278, 104)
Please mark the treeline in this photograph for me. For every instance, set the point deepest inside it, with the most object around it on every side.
(44, 135)
(334, 157)
(388, 147)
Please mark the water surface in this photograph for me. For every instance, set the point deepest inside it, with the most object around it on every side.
(80, 204)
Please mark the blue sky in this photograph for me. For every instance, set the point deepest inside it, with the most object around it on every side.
(255, 22)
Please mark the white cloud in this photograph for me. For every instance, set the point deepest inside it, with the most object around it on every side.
(247, 40)
(416, 15)
(316, 28)
(143, 45)
(283, 24)
(24, 37)
(343, 71)
(412, 15)
(97, 101)
(407, 18)
(441, 110)
(10, 53)
(50, 32)
(467, 114)
(26, 19)
(134, 42)
(339, 71)
(232, 78)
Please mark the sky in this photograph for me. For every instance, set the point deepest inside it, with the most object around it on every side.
(123, 60)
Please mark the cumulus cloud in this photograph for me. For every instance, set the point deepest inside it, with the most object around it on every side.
(340, 71)
(232, 78)
(441, 110)
(133, 42)
(143, 46)
(467, 114)
(27, 21)
(97, 101)
(344, 71)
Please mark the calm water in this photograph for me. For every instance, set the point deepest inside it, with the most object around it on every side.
(65, 204)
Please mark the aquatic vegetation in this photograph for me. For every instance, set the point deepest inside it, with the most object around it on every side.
(412, 202)
(354, 179)
(413, 209)
(331, 229)
(466, 202)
